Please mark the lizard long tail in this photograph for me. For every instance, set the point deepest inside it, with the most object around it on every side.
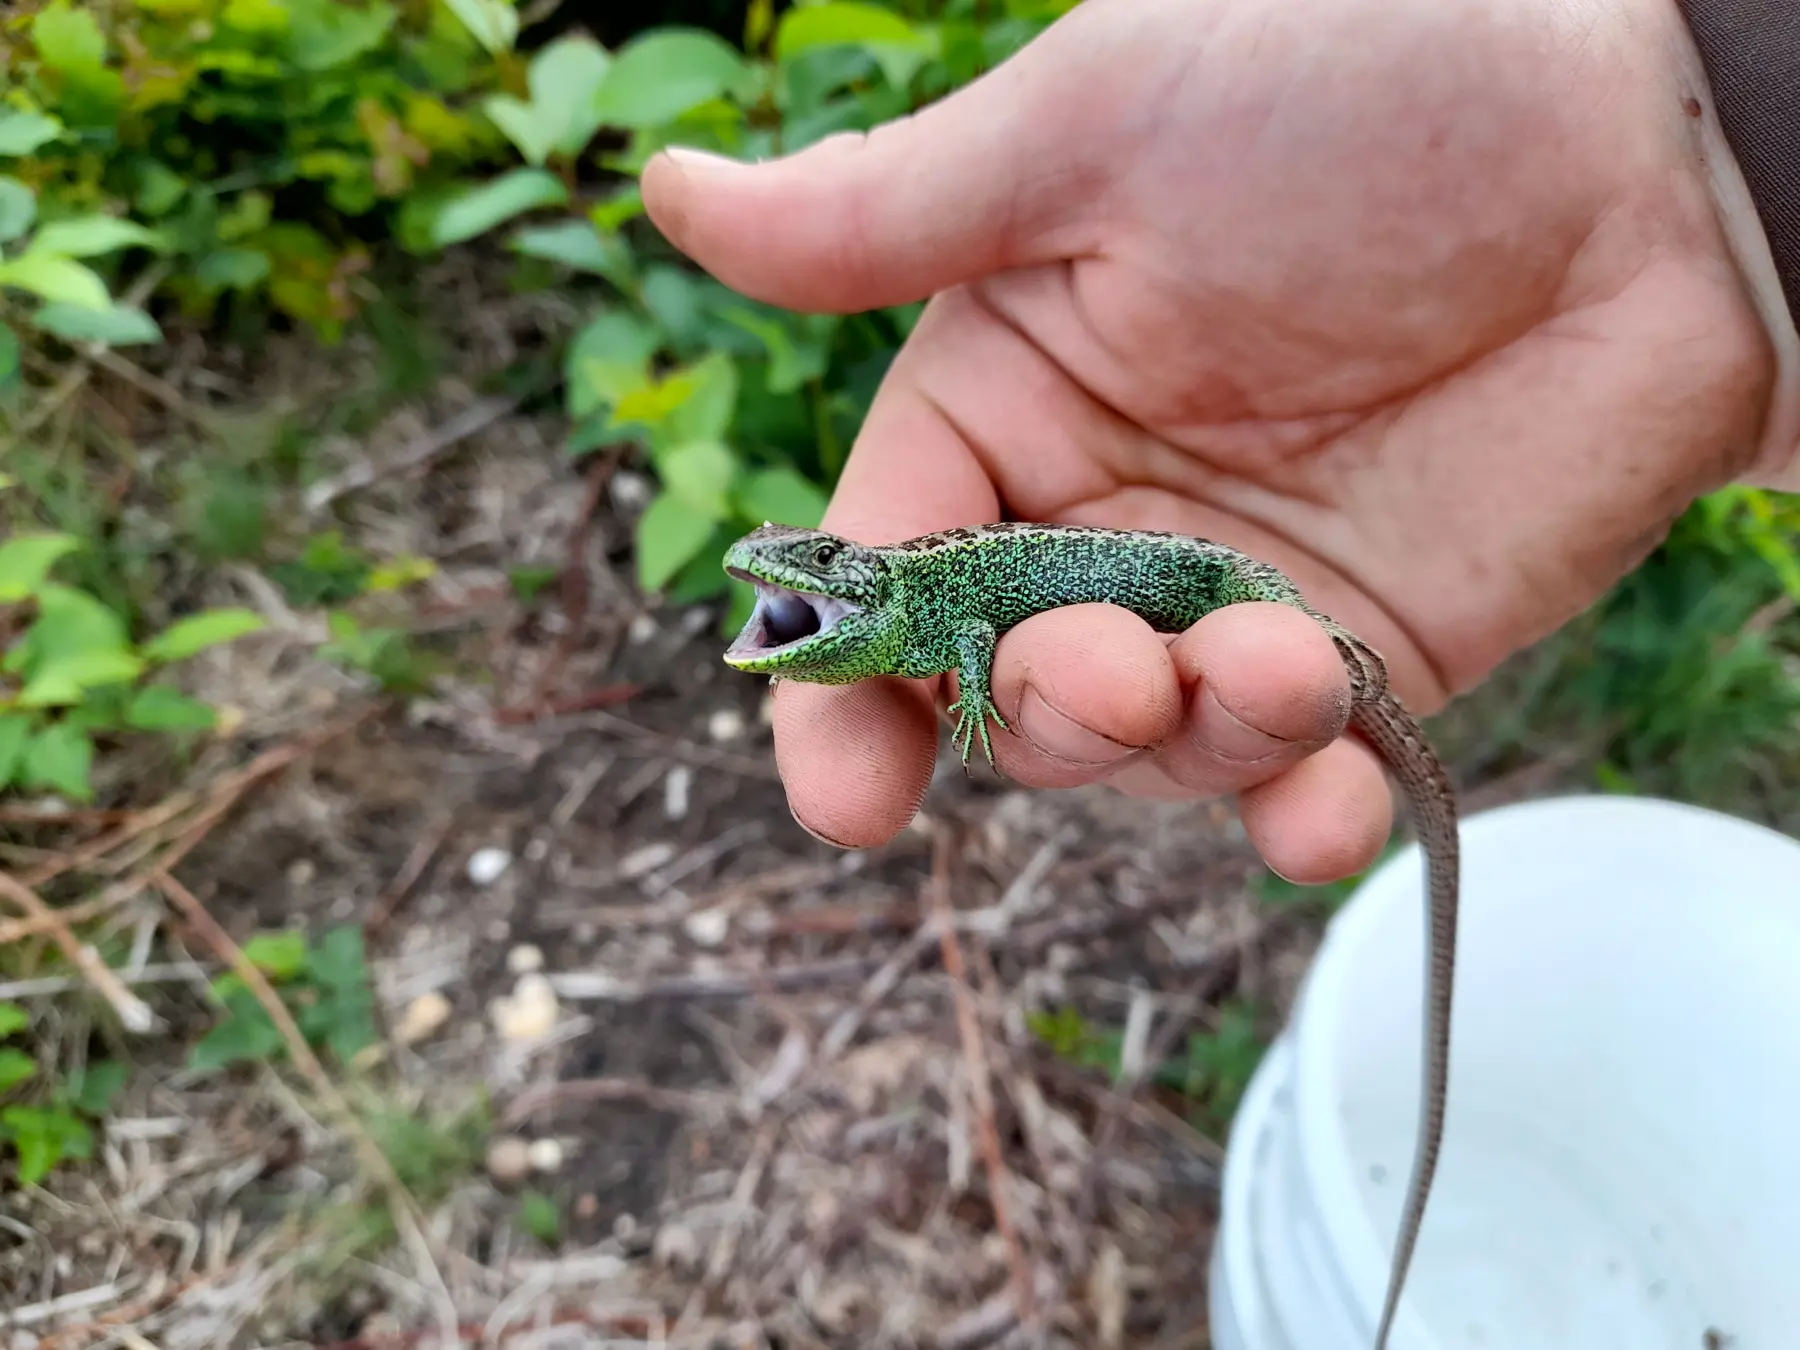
(1431, 803)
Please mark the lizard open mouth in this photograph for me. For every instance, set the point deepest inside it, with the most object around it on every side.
(784, 618)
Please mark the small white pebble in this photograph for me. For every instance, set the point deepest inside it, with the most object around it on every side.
(342, 908)
(644, 860)
(584, 932)
(675, 1246)
(537, 850)
(707, 927)
(629, 490)
(300, 872)
(675, 792)
(530, 1014)
(727, 724)
(624, 1225)
(643, 628)
(508, 1160)
(486, 865)
(498, 930)
(424, 1015)
(546, 1155)
(697, 620)
(524, 958)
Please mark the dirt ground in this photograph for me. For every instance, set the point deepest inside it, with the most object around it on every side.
(772, 1105)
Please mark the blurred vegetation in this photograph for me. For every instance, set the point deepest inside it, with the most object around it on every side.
(231, 169)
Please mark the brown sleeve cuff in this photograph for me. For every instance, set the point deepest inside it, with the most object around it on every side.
(1751, 51)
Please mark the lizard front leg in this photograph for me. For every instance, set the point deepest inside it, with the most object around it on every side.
(974, 703)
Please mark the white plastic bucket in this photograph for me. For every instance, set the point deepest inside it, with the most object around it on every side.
(1621, 1163)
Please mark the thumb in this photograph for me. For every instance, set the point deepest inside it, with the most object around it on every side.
(984, 180)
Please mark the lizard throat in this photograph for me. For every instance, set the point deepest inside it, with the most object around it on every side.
(784, 619)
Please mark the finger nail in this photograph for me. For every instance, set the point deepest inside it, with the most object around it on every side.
(1220, 732)
(822, 838)
(1054, 732)
(686, 157)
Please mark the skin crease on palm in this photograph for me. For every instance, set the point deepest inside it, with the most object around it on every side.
(1427, 304)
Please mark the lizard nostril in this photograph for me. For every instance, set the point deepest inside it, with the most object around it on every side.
(790, 618)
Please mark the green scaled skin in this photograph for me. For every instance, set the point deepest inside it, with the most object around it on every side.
(830, 611)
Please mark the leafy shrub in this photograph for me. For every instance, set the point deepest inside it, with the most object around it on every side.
(45, 1118)
(263, 141)
(70, 673)
(746, 411)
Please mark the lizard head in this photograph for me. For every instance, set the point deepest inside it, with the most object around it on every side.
(816, 595)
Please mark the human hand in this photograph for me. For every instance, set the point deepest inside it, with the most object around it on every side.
(1425, 304)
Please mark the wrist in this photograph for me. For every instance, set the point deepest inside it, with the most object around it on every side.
(1708, 39)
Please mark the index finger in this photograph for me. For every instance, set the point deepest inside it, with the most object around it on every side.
(856, 759)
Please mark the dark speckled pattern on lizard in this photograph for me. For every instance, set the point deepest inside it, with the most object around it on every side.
(830, 611)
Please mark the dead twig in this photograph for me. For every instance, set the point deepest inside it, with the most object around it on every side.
(133, 1013)
(417, 860)
(478, 416)
(529, 1104)
(980, 1081)
(400, 1203)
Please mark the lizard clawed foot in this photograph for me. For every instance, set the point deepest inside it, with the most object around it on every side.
(969, 724)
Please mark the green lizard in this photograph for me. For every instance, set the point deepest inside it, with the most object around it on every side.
(830, 611)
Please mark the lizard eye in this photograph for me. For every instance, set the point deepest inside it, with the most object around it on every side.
(824, 555)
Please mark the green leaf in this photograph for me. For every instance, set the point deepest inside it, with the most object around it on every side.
(65, 679)
(245, 1034)
(13, 1018)
(575, 243)
(608, 359)
(69, 621)
(60, 757)
(18, 208)
(159, 708)
(670, 534)
(15, 1067)
(539, 1217)
(783, 496)
(91, 236)
(44, 1136)
(22, 133)
(235, 269)
(338, 962)
(93, 1092)
(896, 45)
(119, 326)
(791, 363)
(700, 474)
(660, 75)
(9, 365)
(493, 23)
(281, 956)
(324, 36)
(68, 39)
(561, 118)
(15, 732)
(53, 278)
(185, 637)
(625, 205)
(706, 413)
(493, 203)
(26, 560)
